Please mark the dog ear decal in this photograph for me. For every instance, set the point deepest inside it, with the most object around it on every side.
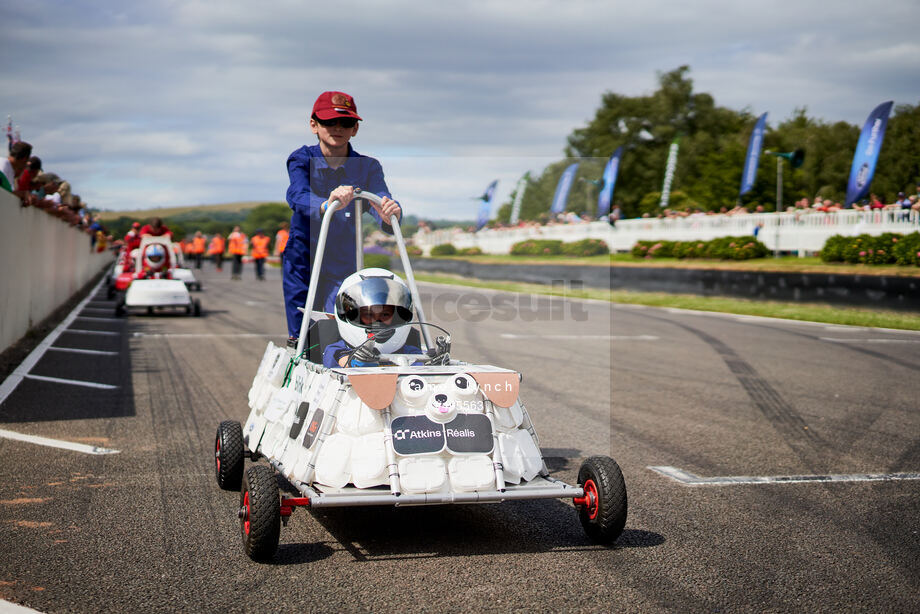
(500, 388)
(376, 390)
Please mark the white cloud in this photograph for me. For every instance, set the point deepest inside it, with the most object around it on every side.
(187, 102)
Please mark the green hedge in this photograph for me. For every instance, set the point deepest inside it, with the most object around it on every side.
(469, 251)
(724, 248)
(552, 247)
(537, 247)
(585, 247)
(445, 249)
(887, 248)
(380, 261)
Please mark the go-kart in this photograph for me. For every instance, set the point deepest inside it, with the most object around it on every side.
(181, 272)
(408, 433)
(147, 281)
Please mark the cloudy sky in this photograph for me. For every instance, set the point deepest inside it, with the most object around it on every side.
(174, 102)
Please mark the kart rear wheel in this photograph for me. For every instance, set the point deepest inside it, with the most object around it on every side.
(603, 510)
(196, 308)
(120, 309)
(228, 455)
(260, 513)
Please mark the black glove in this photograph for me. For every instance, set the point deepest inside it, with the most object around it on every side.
(440, 354)
(366, 354)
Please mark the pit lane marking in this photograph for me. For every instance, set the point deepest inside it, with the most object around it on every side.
(10, 383)
(71, 382)
(81, 351)
(56, 443)
(841, 340)
(689, 479)
(189, 335)
(603, 337)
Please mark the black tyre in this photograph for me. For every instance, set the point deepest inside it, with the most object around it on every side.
(196, 308)
(110, 291)
(198, 286)
(228, 455)
(603, 510)
(260, 513)
(120, 309)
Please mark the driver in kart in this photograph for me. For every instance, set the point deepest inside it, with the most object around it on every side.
(320, 174)
(371, 304)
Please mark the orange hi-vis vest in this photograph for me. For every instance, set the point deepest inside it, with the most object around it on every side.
(281, 239)
(260, 246)
(198, 245)
(237, 244)
(218, 245)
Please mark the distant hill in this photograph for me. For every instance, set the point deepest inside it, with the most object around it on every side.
(181, 210)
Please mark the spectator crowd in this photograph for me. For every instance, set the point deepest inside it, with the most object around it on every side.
(24, 176)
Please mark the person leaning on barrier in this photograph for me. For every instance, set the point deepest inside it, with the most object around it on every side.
(15, 163)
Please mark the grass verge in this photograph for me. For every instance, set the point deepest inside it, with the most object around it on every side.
(783, 264)
(810, 312)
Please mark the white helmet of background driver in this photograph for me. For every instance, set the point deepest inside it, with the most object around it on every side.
(370, 287)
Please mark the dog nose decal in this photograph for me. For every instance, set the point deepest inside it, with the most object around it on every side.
(440, 398)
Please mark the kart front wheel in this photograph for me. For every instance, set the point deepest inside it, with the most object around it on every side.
(602, 510)
(228, 455)
(260, 513)
(196, 308)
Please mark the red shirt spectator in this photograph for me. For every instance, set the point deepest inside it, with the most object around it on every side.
(156, 228)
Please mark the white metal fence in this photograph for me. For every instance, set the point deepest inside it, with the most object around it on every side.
(800, 232)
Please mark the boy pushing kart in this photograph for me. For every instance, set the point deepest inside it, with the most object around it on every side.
(320, 174)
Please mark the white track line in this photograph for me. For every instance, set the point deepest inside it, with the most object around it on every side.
(838, 340)
(71, 382)
(95, 319)
(600, 337)
(56, 443)
(8, 607)
(688, 479)
(81, 351)
(22, 371)
(187, 335)
(81, 331)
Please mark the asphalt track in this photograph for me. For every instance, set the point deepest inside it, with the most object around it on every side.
(721, 398)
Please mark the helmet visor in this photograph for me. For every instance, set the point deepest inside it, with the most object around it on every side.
(375, 302)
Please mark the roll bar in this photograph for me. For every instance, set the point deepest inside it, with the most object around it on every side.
(359, 259)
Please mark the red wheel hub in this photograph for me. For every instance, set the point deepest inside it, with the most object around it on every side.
(589, 501)
(244, 512)
(217, 453)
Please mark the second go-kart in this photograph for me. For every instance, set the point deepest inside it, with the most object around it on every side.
(425, 429)
(148, 284)
(181, 272)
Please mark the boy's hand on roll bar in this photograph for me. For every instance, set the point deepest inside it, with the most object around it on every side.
(386, 208)
(344, 194)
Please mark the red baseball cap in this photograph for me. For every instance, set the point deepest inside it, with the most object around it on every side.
(330, 105)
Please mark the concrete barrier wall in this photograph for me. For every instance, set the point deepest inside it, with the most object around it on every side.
(876, 291)
(801, 232)
(45, 261)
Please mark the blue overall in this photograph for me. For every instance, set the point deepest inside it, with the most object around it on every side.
(311, 182)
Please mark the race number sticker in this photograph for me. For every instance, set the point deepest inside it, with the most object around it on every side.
(313, 428)
(469, 434)
(417, 435)
(299, 416)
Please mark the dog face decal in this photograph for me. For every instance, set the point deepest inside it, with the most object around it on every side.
(441, 407)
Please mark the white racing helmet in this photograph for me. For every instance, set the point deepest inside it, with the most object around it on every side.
(367, 288)
(155, 256)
